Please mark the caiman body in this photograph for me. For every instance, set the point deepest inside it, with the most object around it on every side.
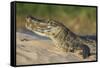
(61, 36)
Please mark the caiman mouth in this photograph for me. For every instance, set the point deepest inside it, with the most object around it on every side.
(35, 24)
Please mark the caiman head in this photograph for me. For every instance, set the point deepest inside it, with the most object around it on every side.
(42, 27)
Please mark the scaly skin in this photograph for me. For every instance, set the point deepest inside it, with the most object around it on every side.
(60, 35)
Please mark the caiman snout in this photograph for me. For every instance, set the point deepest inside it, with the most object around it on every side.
(34, 23)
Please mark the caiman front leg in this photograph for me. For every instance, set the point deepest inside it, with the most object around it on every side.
(85, 51)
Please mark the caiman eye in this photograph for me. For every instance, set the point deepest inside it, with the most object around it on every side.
(51, 22)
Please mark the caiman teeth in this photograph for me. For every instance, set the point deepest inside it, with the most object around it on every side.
(49, 27)
(28, 26)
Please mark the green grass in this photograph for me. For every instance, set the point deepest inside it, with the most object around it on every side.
(81, 20)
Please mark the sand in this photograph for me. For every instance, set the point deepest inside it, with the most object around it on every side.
(32, 50)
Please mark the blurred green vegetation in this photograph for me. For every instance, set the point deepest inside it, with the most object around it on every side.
(79, 19)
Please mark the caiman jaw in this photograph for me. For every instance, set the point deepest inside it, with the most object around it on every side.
(34, 24)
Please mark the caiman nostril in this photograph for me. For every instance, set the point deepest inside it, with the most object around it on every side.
(27, 20)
